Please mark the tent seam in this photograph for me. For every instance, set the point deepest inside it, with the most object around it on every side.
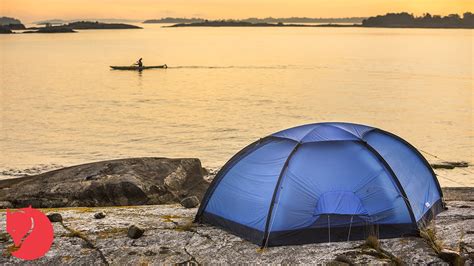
(395, 178)
(280, 177)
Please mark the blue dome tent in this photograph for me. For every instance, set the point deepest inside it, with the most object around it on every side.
(323, 182)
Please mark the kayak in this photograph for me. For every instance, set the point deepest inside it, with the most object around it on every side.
(137, 67)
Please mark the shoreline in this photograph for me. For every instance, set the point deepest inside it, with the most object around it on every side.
(317, 26)
(449, 169)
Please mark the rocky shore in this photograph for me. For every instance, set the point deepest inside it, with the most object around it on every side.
(124, 182)
(170, 237)
(118, 234)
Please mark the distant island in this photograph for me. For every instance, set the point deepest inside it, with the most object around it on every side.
(103, 20)
(305, 20)
(390, 20)
(9, 21)
(7, 25)
(405, 20)
(173, 20)
(81, 25)
(88, 25)
(238, 23)
(234, 23)
(262, 20)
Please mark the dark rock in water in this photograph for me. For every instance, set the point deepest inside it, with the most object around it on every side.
(449, 165)
(135, 232)
(442, 166)
(458, 164)
(55, 217)
(121, 182)
(99, 215)
(190, 202)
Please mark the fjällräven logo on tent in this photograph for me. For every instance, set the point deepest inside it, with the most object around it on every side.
(31, 231)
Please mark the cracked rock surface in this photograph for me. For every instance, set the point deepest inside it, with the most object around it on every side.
(170, 237)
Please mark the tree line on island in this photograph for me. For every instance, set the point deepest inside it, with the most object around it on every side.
(171, 20)
(405, 20)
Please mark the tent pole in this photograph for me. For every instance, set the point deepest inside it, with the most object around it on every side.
(266, 234)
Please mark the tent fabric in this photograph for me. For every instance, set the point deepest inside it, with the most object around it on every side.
(323, 182)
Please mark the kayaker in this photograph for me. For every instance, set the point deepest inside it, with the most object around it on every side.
(139, 63)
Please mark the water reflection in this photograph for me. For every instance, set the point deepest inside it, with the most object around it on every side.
(235, 85)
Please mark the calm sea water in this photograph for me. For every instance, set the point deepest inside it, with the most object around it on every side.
(226, 87)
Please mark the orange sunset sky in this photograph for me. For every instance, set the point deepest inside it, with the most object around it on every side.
(30, 10)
